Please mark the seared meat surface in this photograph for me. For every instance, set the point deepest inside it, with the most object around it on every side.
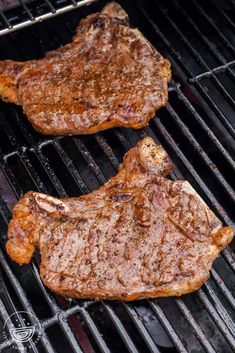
(140, 235)
(110, 75)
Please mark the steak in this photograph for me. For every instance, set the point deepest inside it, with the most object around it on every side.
(109, 76)
(141, 235)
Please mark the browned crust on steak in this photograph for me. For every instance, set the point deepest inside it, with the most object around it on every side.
(109, 76)
(140, 235)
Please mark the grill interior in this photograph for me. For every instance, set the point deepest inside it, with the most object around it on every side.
(16, 14)
(197, 128)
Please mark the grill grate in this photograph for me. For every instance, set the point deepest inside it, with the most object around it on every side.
(195, 128)
(22, 13)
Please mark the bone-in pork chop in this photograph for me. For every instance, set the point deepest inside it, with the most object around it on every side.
(109, 76)
(140, 235)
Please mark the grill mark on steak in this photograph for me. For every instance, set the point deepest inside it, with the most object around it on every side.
(140, 235)
(109, 76)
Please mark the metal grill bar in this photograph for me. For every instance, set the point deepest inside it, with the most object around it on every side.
(121, 330)
(10, 175)
(219, 114)
(220, 10)
(69, 335)
(9, 26)
(166, 323)
(72, 170)
(21, 295)
(7, 298)
(214, 26)
(25, 7)
(211, 72)
(142, 330)
(9, 132)
(99, 339)
(31, 20)
(223, 91)
(170, 141)
(198, 58)
(52, 176)
(226, 292)
(210, 134)
(227, 188)
(197, 329)
(52, 8)
(172, 51)
(208, 44)
(215, 52)
(217, 318)
(90, 160)
(33, 175)
(220, 68)
(187, 43)
(219, 309)
(107, 150)
(193, 50)
(4, 315)
(4, 211)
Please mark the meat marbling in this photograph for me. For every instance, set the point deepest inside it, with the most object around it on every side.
(141, 235)
(110, 75)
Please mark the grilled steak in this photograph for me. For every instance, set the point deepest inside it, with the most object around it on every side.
(110, 75)
(140, 235)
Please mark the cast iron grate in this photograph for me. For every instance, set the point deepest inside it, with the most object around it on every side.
(16, 14)
(195, 128)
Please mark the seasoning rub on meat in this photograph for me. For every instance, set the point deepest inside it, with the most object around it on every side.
(141, 235)
(109, 76)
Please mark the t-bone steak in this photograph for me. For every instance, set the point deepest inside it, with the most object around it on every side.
(141, 235)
